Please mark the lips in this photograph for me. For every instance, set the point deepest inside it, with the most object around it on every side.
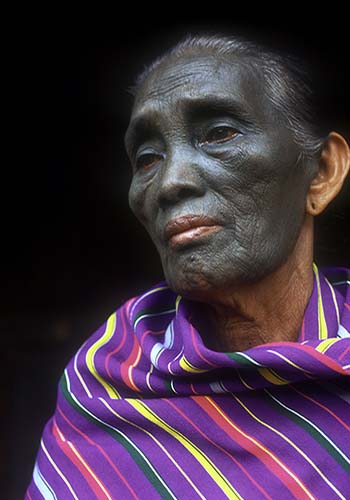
(186, 229)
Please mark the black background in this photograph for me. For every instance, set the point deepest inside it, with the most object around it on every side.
(72, 250)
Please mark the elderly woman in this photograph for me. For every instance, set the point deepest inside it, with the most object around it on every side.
(230, 379)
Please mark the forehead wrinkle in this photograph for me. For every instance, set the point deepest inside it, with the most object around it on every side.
(181, 74)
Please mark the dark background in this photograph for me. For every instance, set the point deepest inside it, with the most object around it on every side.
(72, 250)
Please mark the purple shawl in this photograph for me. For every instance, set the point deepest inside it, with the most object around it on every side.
(145, 410)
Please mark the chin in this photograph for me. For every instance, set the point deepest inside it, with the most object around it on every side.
(203, 281)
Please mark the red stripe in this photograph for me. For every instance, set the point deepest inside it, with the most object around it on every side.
(96, 488)
(323, 358)
(269, 461)
(89, 440)
(124, 367)
(216, 445)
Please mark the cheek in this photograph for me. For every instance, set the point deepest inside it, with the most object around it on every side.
(137, 201)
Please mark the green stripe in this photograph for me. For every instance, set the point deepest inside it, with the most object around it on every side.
(130, 447)
(241, 359)
(310, 430)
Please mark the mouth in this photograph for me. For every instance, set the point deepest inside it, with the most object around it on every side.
(189, 228)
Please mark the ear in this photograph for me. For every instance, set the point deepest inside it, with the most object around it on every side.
(334, 165)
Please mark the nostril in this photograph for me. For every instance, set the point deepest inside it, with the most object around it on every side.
(179, 180)
(175, 193)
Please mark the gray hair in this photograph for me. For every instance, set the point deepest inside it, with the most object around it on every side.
(286, 80)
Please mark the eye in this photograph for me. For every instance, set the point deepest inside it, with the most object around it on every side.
(147, 161)
(219, 135)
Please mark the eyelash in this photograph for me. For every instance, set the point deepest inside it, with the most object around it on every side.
(154, 158)
(228, 128)
(143, 157)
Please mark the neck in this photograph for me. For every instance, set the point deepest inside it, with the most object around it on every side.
(271, 310)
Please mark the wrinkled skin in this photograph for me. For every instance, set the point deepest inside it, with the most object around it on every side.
(234, 160)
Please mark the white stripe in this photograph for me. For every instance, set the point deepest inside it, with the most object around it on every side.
(175, 359)
(250, 359)
(156, 350)
(118, 432)
(79, 374)
(342, 332)
(173, 386)
(347, 282)
(59, 472)
(217, 388)
(151, 315)
(154, 290)
(159, 347)
(312, 425)
(42, 485)
(291, 363)
(334, 300)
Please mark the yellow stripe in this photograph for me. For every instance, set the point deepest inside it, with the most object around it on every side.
(261, 446)
(243, 381)
(80, 458)
(188, 367)
(272, 376)
(322, 325)
(90, 355)
(326, 344)
(278, 354)
(158, 443)
(62, 476)
(205, 462)
(178, 300)
(291, 444)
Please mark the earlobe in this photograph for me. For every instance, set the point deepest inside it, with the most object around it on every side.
(334, 165)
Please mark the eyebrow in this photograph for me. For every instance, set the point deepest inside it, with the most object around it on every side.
(143, 125)
(221, 104)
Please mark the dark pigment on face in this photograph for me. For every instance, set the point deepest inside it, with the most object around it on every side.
(205, 139)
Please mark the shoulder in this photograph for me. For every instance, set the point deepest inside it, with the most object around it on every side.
(101, 365)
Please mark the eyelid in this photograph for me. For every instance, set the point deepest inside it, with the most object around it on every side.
(215, 126)
(147, 152)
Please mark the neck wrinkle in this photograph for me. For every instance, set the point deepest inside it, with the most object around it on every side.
(269, 311)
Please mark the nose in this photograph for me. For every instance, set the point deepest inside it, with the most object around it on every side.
(181, 178)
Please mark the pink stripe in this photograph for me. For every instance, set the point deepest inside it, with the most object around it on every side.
(128, 306)
(344, 353)
(79, 465)
(323, 407)
(91, 441)
(259, 450)
(148, 332)
(260, 488)
(322, 358)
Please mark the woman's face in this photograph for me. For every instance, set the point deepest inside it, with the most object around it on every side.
(217, 180)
